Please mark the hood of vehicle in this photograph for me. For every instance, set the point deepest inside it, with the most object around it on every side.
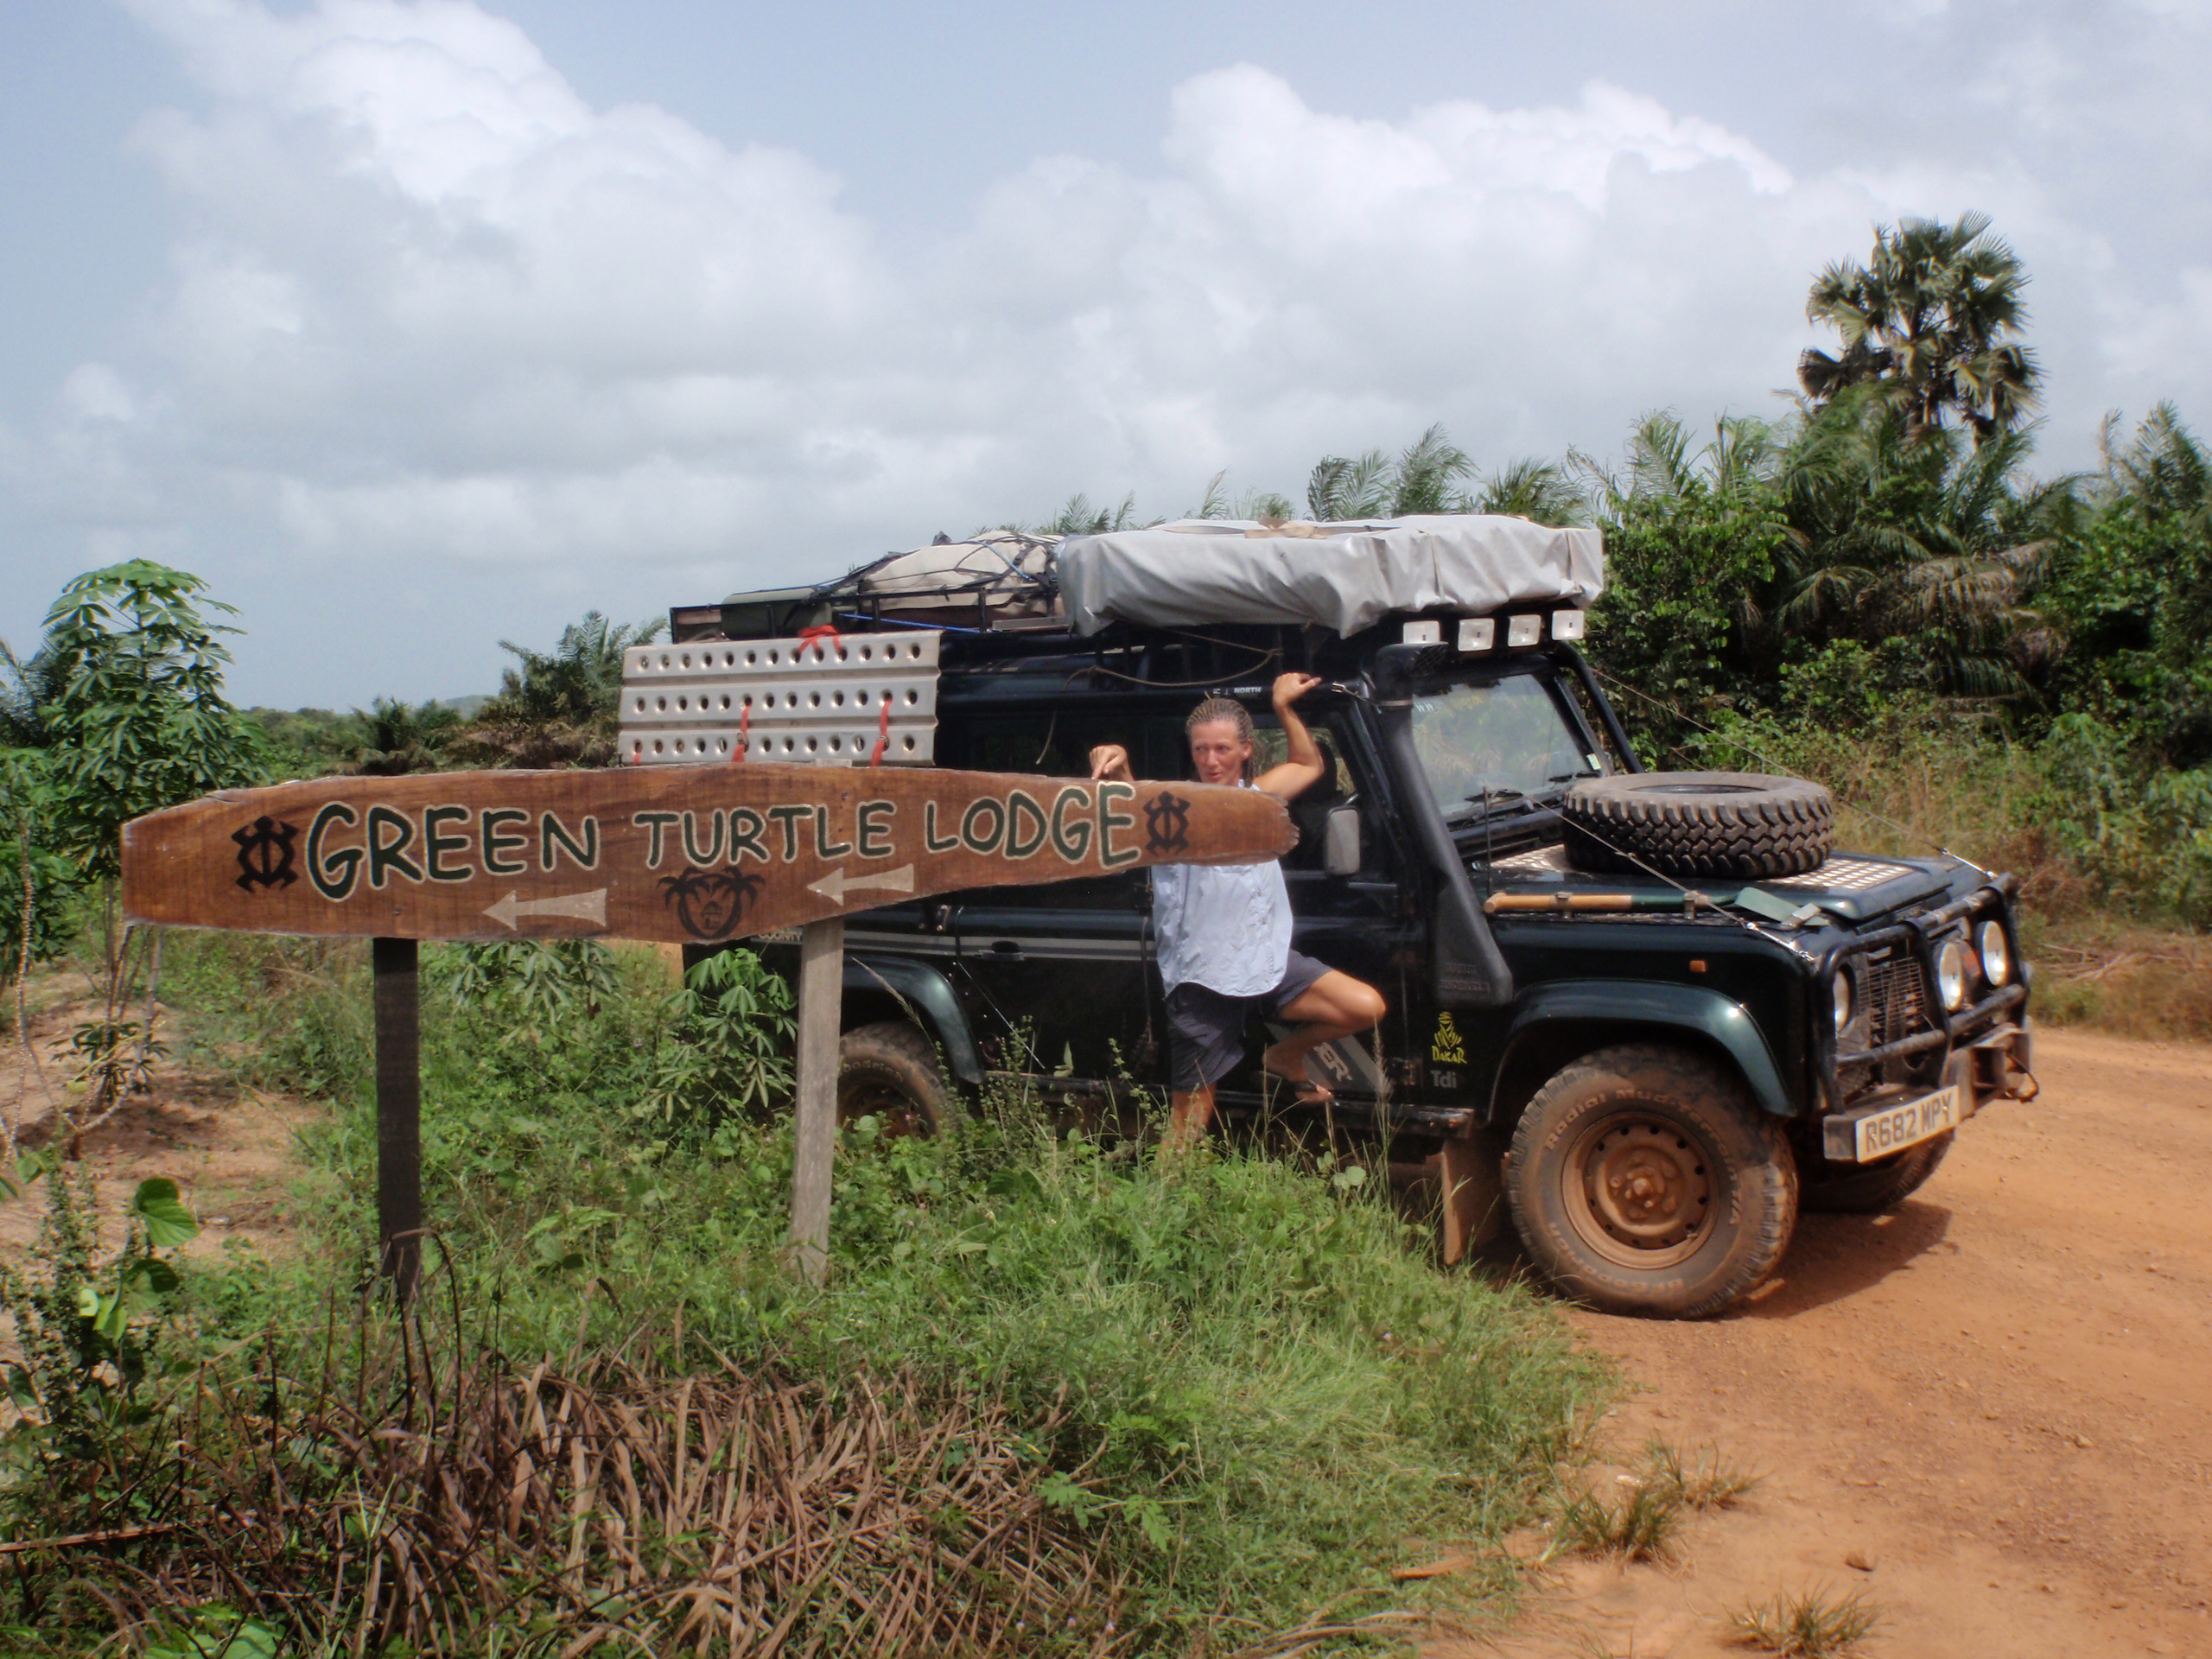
(1856, 887)
(1851, 887)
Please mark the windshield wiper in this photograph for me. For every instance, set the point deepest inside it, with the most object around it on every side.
(1497, 797)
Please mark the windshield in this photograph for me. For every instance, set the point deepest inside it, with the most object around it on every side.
(1509, 740)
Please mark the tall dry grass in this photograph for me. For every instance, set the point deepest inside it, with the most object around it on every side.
(438, 1500)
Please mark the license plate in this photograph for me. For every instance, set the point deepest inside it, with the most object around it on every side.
(1883, 1133)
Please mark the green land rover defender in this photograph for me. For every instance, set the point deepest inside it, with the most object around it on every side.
(1643, 1016)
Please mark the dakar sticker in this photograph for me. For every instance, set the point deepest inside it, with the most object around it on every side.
(1447, 1049)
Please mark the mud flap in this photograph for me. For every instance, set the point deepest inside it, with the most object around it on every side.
(1470, 1174)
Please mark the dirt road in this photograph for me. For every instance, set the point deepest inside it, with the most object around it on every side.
(2000, 1398)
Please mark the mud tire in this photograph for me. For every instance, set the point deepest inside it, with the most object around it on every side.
(1738, 823)
(1872, 1189)
(1727, 1179)
(891, 1071)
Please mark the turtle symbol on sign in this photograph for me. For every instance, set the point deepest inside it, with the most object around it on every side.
(1168, 824)
(265, 854)
(709, 901)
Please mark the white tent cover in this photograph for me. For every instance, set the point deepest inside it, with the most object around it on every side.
(1344, 577)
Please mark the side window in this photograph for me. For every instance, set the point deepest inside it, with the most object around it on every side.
(1057, 742)
(1310, 810)
(1271, 748)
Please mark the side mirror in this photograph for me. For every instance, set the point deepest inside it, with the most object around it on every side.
(1340, 841)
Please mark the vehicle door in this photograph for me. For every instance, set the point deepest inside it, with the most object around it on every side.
(1362, 924)
(1064, 971)
(1498, 747)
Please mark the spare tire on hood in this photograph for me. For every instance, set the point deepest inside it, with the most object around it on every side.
(1738, 823)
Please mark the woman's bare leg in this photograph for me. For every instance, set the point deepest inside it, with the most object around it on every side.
(1189, 1112)
(1336, 1005)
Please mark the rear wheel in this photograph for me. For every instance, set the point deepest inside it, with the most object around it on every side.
(1643, 1180)
(1872, 1189)
(890, 1072)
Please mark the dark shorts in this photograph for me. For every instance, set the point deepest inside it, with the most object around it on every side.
(1206, 1029)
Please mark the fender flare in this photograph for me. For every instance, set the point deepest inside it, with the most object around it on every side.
(930, 995)
(1692, 1008)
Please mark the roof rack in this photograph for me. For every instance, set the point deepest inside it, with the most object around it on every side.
(1002, 580)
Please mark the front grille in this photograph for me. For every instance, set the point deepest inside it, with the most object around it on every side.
(1896, 991)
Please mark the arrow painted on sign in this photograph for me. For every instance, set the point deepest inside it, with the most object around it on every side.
(582, 906)
(834, 885)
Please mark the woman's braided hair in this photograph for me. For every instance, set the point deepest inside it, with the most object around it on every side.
(1234, 713)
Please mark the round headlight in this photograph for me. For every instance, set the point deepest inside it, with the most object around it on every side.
(1951, 975)
(1841, 993)
(1996, 955)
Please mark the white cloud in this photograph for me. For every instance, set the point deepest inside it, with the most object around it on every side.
(430, 309)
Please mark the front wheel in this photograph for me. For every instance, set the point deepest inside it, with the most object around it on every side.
(1643, 1180)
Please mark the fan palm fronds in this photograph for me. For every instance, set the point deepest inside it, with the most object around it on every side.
(1934, 318)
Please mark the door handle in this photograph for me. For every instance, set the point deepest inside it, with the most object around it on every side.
(1006, 947)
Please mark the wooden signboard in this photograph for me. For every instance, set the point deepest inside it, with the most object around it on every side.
(690, 854)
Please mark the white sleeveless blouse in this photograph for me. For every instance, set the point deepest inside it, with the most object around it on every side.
(1225, 926)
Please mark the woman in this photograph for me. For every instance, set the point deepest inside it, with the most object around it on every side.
(1224, 929)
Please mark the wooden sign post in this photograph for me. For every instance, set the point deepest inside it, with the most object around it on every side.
(688, 853)
(398, 1009)
(814, 1109)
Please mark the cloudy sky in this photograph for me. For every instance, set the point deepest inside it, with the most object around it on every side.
(413, 324)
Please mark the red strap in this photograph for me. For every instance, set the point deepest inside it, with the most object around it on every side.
(821, 635)
(744, 728)
(882, 730)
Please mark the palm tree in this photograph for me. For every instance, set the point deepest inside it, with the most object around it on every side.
(2162, 473)
(30, 687)
(397, 737)
(1935, 318)
(1899, 533)
(1541, 491)
(1422, 479)
(1745, 456)
(1341, 487)
(560, 708)
(1079, 518)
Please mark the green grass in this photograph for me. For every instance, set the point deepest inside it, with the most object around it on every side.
(1810, 1624)
(1639, 1517)
(1261, 1393)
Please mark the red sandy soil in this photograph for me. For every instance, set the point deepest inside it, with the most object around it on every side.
(1999, 1398)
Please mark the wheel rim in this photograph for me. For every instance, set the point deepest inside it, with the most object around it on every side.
(1639, 1190)
(890, 1105)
